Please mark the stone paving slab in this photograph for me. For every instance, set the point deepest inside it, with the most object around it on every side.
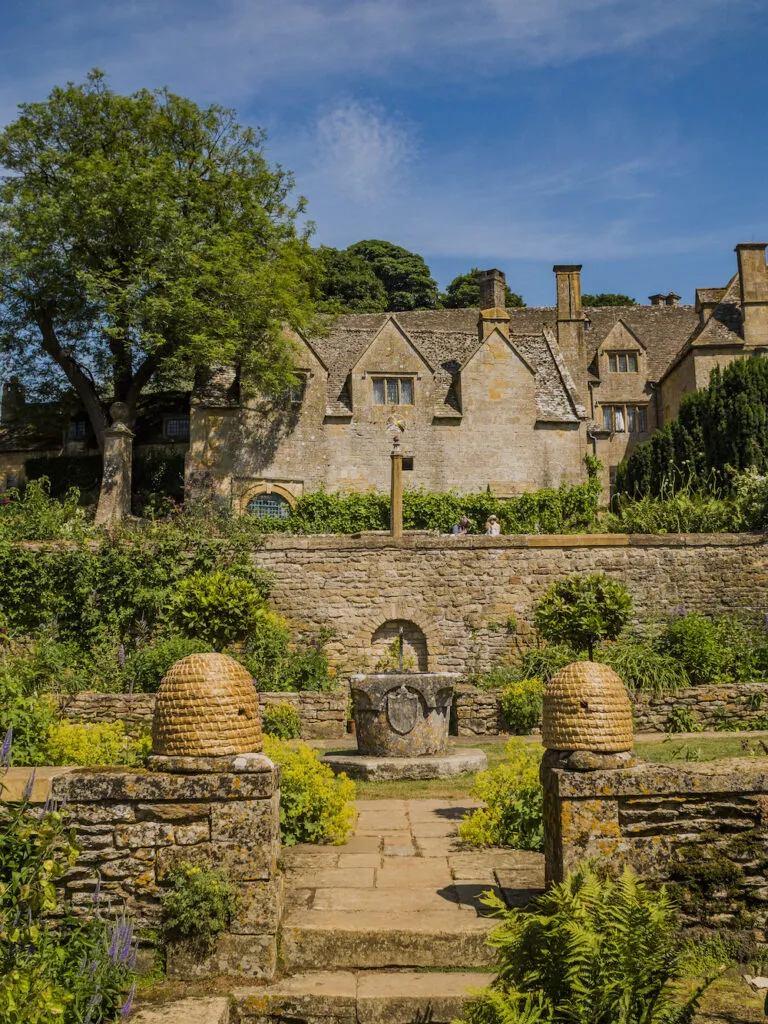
(195, 1010)
(397, 896)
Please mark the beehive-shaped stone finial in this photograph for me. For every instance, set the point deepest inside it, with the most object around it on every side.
(586, 707)
(207, 706)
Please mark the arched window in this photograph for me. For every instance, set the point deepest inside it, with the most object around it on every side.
(272, 505)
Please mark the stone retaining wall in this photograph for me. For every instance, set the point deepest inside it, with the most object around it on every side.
(134, 827)
(322, 715)
(478, 712)
(676, 823)
(472, 597)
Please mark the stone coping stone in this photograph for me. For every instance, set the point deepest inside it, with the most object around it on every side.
(252, 763)
(460, 761)
(731, 775)
(194, 1010)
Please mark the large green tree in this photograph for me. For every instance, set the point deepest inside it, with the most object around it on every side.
(607, 299)
(405, 276)
(140, 234)
(350, 282)
(464, 292)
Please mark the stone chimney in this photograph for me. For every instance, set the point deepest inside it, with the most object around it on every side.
(493, 313)
(492, 284)
(753, 277)
(670, 299)
(570, 326)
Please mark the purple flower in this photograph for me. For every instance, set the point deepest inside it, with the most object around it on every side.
(5, 750)
(129, 1001)
(93, 1004)
(27, 794)
(121, 656)
(96, 891)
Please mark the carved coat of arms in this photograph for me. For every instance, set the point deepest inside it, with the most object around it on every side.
(402, 710)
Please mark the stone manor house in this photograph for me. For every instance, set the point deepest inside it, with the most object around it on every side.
(506, 399)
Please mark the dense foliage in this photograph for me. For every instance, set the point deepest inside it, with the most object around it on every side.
(94, 743)
(591, 950)
(350, 281)
(512, 811)
(405, 276)
(74, 972)
(715, 650)
(199, 906)
(607, 299)
(565, 510)
(583, 610)
(315, 804)
(281, 721)
(464, 293)
(719, 430)
(522, 703)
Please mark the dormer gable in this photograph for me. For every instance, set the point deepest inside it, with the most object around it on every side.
(391, 350)
(621, 351)
(492, 347)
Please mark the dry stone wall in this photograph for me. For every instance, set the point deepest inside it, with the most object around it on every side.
(478, 712)
(322, 715)
(135, 827)
(472, 597)
(702, 827)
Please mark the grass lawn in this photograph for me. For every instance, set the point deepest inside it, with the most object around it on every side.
(660, 751)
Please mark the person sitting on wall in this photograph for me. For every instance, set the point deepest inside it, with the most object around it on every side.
(492, 526)
(464, 525)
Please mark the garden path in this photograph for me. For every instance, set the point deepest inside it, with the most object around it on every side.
(390, 924)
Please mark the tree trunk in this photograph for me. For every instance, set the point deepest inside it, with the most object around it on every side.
(115, 494)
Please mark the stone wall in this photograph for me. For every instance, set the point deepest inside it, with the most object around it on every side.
(478, 712)
(136, 826)
(322, 715)
(688, 824)
(462, 591)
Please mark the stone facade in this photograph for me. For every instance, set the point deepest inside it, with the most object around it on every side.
(459, 592)
(676, 823)
(321, 715)
(135, 827)
(478, 712)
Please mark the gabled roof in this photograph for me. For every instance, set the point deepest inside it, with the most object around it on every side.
(392, 319)
(722, 328)
(620, 323)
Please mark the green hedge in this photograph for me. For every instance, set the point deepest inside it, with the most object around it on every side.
(562, 510)
(154, 472)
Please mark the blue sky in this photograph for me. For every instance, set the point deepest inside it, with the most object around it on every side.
(627, 136)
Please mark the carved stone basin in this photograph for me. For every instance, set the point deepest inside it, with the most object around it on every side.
(402, 714)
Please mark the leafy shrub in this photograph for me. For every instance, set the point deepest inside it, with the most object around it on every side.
(147, 665)
(217, 607)
(675, 512)
(200, 906)
(591, 949)
(522, 704)
(583, 610)
(642, 668)
(31, 514)
(512, 794)
(714, 650)
(307, 669)
(91, 744)
(28, 716)
(78, 971)
(545, 661)
(682, 720)
(315, 804)
(281, 721)
(266, 652)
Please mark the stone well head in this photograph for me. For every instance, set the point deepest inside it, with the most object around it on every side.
(207, 706)
(586, 707)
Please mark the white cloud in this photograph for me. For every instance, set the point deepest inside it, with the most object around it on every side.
(362, 153)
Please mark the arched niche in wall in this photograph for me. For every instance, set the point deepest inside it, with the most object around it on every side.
(266, 499)
(385, 644)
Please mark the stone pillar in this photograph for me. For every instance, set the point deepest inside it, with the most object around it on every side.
(115, 495)
(134, 827)
(753, 277)
(396, 497)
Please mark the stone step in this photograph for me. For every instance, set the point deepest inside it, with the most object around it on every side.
(369, 997)
(374, 939)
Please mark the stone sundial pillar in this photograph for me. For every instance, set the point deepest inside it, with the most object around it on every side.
(396, 498)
